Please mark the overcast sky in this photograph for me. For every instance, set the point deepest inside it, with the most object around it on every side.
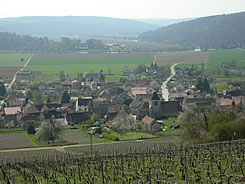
(120, 8)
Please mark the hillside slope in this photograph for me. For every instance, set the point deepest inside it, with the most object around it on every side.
(73, 25)
(221, 31)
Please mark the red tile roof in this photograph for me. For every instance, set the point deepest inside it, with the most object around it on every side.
(227, 101)
(12, 110)
(148, 120)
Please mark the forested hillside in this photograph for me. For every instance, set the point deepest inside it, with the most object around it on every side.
(222, 31)
(73, 25)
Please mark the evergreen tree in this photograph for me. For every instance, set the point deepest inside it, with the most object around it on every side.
(31, 129)
(203, 85)
(206, 86)
(199, 84)
(65, 98)
(2, 90)
(102, 77)
(48, 100)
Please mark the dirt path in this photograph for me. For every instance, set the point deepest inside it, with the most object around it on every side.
(15, 75)
(62, 148)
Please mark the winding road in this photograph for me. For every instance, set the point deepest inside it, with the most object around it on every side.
(15, 75)
(165, 92)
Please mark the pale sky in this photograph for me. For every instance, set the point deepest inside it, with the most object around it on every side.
(120, 8)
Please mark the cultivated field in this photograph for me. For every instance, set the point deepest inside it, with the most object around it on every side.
(15, 141)
(190, 57)
(7, 72)
(42, 154)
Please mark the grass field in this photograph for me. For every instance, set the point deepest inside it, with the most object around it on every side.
(13, 59)
(133, 136)
(51, 64)
(220, 56)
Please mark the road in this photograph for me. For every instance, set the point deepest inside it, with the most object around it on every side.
(165, 92)
(15, 75)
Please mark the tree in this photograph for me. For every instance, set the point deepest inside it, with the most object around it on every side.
(94, 117)
(203, 85)
(2, 90)
(87, 91)
(102, 77)
(65, 98)
(124, 123)
(37, 97)
(109, 71)
(31, 129)
(62, 76)
(206, 86)
(48, 100)
(140, 68)
(223, 86)
(200, 125)
(95, 44)
(48, 131)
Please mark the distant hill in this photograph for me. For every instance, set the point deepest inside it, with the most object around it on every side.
(221, 31)
(164, 22)
(73, 25)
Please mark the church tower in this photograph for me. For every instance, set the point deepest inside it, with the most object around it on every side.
(154, 105)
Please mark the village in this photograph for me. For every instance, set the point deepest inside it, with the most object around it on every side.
(135, 104)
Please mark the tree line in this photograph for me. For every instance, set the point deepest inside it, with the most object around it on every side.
(12, 41)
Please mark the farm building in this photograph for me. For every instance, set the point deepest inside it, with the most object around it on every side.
(12, 114)
(83, 104)
(150, 124)
(141, 91)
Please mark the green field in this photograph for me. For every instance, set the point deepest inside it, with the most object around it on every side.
(51, 64)
(13, 59)
(220, 56)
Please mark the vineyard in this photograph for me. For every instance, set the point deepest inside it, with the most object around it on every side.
(15, 141)
(143, 163)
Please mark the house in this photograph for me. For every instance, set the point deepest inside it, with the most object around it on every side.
(42, 86)
(150, 125)
(16, 102)
(140, 108)
(77, 117)
(105, 96)
(141, 91)
(12, 114)
(66, 84)
(124, 118)
(100, 108)
(227, 102)
(198, 102)
(84, 104)
(95, 85)
(89, 77)
(180, 87)
(177, 97)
